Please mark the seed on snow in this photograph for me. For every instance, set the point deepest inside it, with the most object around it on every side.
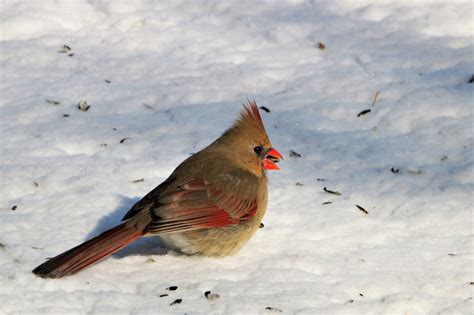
(211, 296)
(53, 102)
(365, 111)
(362, 209)
(177, 301)
(331, 191)
(124, 139)
(294, 154)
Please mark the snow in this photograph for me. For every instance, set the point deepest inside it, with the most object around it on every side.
(178, 72)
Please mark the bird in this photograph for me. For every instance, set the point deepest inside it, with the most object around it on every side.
(210, 205)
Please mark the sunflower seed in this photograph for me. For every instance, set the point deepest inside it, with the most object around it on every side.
(362, 209)
(124, 139)
(211, 296)
(365, 111)
(177, 301)
(294, 154)
(334, 192)
(53, 102)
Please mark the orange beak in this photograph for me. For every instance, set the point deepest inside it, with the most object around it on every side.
(272, 157)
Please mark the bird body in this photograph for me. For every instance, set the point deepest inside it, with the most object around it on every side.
(211, 204)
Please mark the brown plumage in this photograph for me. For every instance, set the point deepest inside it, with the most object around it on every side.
(210, 205)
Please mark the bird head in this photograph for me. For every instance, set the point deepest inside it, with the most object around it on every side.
(249, 143)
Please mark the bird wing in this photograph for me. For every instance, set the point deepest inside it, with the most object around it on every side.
(196, 205)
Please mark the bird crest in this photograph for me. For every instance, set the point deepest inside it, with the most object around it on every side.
(249, 124)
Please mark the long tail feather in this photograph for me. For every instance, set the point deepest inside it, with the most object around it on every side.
(88, 253)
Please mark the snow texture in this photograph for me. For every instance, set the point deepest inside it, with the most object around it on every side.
(169, 77)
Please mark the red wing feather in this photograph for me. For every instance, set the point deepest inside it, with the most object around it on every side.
(197, 205)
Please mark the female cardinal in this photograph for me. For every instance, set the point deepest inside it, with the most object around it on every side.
(210, 205)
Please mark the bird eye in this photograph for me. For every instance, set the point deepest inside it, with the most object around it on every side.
(258, 149)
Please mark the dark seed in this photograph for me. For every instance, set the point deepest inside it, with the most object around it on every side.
(395, 170)
(211, 296)
(103, 144)
(53, 102)
(138, 180)
(444, 158)
(320, 179)
(172, 288)
(66, 115)
(331, 191)
(321, 46)
(35, 183)
(163, 295)
(14, 207)
(471, 283)
(362, 209)
(471, 80)
(349, 301)
(299, 184)
(177, 301)
(64, 49)
(2, 246)
(107, 81)
(327, 203)
(451, 254)
(361, 294)
(261, 226)
(123, 140)
(294, 154)
(147, 106)
(264, 108)
(365, 111)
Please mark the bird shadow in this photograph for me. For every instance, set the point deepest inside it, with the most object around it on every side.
(143, 246)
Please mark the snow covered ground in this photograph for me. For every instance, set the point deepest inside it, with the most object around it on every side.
(169, 77)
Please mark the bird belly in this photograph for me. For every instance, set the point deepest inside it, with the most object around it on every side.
(212, 242)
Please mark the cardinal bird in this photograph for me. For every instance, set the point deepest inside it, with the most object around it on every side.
(210, 205)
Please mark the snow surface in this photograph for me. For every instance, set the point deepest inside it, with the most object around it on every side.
(178, 72)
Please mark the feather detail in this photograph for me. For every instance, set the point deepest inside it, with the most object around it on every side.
(88, 252)
(251, 116)
(248, 127)
(197, 205)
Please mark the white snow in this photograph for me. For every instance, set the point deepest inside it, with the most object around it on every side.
(178, 72)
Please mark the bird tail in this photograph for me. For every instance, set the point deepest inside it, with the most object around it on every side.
(89, 252)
